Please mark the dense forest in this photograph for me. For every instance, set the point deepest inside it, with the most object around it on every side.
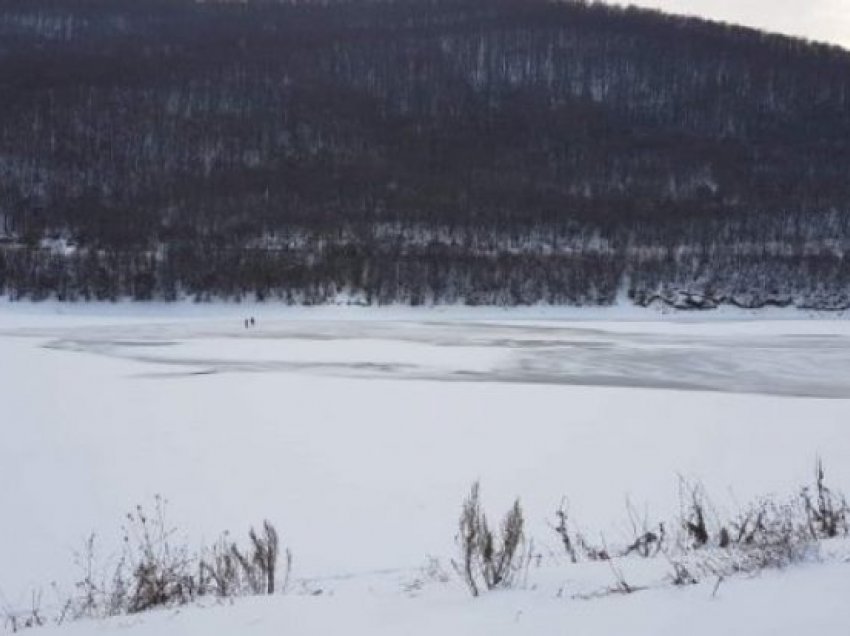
(418, 151)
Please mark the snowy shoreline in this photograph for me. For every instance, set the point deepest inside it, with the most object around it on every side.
(187, 309)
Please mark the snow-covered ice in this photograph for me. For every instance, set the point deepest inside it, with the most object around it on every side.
(359, 438)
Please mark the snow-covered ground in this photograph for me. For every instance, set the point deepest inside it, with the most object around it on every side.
(810, 600)
(358, 433)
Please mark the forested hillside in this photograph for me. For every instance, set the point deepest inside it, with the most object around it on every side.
(418, 151)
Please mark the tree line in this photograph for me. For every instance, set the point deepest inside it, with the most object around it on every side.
(417, 151)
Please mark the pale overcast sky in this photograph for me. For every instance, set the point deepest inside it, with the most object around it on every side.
(825, 20)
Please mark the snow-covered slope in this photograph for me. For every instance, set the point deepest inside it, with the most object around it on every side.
(800, 601)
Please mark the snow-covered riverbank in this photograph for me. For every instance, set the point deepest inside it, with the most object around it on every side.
(359, 438)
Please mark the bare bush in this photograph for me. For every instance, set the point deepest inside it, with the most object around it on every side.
(563, 531)
(693, 501)
(156, 569)
(91, 590)
(219, 570)
(160, 570)
(767, 533)
(771, 533)
(575, 543)
(648, 539)
(259, 564)
(488, 561)
(826, 512)
(769, 524)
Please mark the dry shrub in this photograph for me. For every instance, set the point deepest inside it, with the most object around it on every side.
(487, 561)
(161, 571)
(156, 569)
(826, 511)
(257, 566)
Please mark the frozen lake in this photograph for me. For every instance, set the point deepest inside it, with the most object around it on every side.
(784, 358)
(369, 432)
